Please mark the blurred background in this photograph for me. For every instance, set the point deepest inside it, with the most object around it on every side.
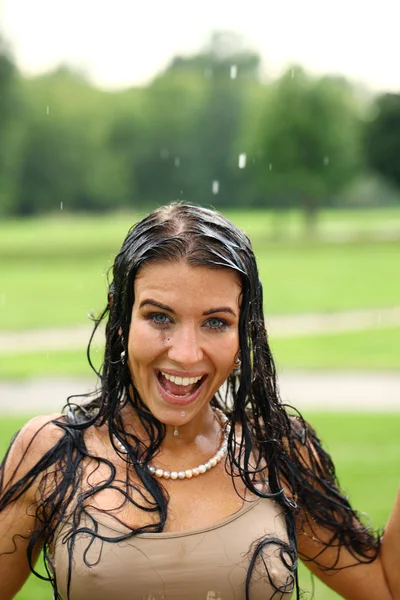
(284, 116)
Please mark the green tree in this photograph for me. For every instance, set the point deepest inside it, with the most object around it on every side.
(308, 142)
(65, 161)
(10, 128)
(229, 71)
(382, 138)
(184, 136)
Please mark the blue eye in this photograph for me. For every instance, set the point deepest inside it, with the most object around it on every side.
(160, 318)
(217, 324)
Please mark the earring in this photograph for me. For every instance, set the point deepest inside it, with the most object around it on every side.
(176, 431)
(238, 362)
(123, 357)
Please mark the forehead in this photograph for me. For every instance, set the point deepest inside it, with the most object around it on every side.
(182, 283)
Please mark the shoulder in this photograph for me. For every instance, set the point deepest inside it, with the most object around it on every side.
(29, 445)
(42, 432)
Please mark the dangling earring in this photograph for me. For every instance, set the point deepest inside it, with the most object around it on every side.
(123, 357)
(238, 363)
(176, 431)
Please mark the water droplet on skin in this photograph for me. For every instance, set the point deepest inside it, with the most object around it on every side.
(242, 160)
(234, 71)
(215, 187)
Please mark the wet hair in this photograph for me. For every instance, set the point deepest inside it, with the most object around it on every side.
(300, 475)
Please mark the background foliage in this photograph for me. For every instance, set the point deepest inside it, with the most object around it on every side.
(304, 141)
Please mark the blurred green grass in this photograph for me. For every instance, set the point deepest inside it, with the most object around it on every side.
(53, 270)
(372, 349)
(375, 349)
(366, 451)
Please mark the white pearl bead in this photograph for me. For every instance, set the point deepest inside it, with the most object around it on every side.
(195, 472)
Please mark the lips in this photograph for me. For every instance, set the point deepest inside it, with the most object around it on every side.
(179, 390)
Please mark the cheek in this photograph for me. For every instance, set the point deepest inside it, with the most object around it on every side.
(145, 343)
(225, 352)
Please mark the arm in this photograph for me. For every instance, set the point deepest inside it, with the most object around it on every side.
(351, 579)
(390, 550)
(18, 510)
(332, 541)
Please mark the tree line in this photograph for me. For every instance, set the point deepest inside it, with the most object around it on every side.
(208, 130)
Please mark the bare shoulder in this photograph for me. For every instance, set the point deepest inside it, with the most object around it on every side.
(31, 443)
(42, 431)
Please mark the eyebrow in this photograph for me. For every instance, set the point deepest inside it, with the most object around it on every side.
(211, 311)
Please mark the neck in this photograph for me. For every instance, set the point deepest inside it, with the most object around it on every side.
(194, 432)
(203, 425)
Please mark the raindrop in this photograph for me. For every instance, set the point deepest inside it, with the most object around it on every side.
(62, 205)
(208, 72)
(47, 110)
(326, 160)
(164, 154)
(2, 299)
(242, 160)
(177, 161)
(215, 187)
(292, 73)
(234, 71)
(270, 166)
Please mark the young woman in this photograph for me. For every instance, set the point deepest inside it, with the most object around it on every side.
(184, 476)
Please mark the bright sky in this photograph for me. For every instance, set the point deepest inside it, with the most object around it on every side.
(125, 42)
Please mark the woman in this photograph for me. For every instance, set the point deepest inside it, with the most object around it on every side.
(184, 476)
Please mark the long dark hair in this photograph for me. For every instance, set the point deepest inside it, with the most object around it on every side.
(280, 439)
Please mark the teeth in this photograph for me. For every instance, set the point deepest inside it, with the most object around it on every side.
(181, 380)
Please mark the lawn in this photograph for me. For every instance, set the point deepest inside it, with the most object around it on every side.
(54, 270)
(366, 449)
(377, 349)
(372, 349)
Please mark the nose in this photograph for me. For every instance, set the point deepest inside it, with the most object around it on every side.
(185, 347)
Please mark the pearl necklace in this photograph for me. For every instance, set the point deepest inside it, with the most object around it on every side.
(200, 469)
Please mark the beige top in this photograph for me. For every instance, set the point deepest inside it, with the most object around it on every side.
(200, 564)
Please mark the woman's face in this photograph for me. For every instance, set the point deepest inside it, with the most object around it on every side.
(183, 337)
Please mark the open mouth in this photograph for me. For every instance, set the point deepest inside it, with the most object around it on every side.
(182, 389)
